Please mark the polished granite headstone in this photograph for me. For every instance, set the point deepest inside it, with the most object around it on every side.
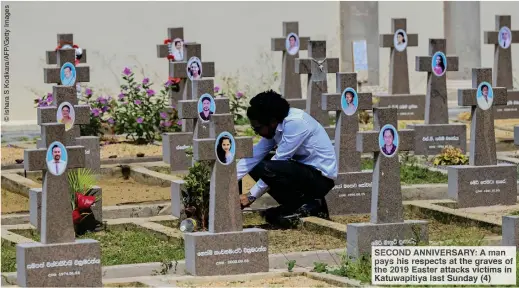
(483, 182)
(352, 191)
(387, 226)
(437, 133)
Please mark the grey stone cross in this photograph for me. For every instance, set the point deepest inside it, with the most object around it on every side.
(163, 52)
(64, 39)
(387, 224)
(483, 182)
(290, 81)
(52, 75)
(317, 66)
(352, 191)
(410, 106)
(437, 133)
(503, 72)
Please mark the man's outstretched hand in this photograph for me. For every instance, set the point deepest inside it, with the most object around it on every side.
(244, 201)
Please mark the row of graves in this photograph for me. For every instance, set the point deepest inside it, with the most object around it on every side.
(208, 129)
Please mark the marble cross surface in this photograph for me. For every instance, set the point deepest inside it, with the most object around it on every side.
(81, 112)
(436, 97)
(56, 219)
(386, 197)
(317, 66)
(163, 52)
(225, 214)
(352, 191)
(482, 140)
(52, 75)
(399, 72)
(51, 56)
(503, 72)
(348, 158)
(290, 81)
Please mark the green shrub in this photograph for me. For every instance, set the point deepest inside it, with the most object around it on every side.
(450, 156)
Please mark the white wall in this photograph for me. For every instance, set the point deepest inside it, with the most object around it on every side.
(235, 35)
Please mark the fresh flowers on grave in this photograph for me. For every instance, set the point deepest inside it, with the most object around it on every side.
(78, 50)
(82, 198)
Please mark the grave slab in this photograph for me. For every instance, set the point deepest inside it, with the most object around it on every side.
(92, 152)
(351, 194)
(473, 186)
(516, 135)
(173, 149)
(362, 236)
(510, 231)
(387, 223)
(176, 197)
(410, 107)
(228, 253)
(75, 264)
(511, 110)
(430, 139)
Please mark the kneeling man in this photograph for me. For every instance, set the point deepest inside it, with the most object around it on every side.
(304, 167)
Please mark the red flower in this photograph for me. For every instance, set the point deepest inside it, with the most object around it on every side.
(167, 41)
(174, 80)
(84, 202)
(76, 62)
(57, 48)
(75, 46)
(171, 57)
(76, 216)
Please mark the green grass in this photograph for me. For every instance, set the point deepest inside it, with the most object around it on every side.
(412, 174)
(123, 244)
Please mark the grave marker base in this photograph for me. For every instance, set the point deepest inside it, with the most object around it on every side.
(516, 135)
(474, 186)
(410, 106)
(511, 109)
(351, 194)
(430, 139)
(35, 195)
(176, 197)
(173, 150)
(240, 262)
(361, 236)
(73, 275)
(92, 152)
(510, 231)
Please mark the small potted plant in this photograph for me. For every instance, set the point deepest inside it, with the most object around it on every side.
(82, 198)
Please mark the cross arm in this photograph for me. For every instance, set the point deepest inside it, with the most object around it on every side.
(424, 63)
(51, 57)
(367, 141)
(188, 109)
(278, 44)
(48, 114)
(491, 37)
(467, 97)
(179, 69)
(162, 50)
(36, 159)
(387, 40)
(203, 149)
(309, 66)
(52, 75)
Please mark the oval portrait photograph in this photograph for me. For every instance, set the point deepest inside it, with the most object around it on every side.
(194, 68)
(504, 37)
(177, 49)
(292, 43)
(439, 64)
(400, 40)
(206, 107)
(68, 74)
(485, 95)
(66, 115)
(225, 148)
(388, 140)
(56, 158)
(349, 101)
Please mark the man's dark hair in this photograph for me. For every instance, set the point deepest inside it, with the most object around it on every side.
(66, 107)
(55, 146)
(483, 86)
(267, 105)
(68, 67)
(206, 98)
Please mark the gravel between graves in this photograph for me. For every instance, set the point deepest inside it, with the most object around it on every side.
(12, 202)
(295, 281)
